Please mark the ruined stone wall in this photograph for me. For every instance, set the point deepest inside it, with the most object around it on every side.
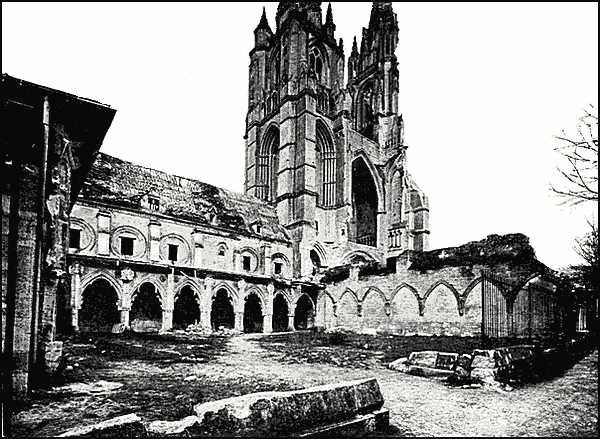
(446, 301)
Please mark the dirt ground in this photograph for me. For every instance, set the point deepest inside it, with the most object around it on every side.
(162, 377)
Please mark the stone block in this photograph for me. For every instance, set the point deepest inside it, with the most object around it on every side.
(400, 364)
(276, 413)
(52, 356)
(146, 325)
(172, 428)
(423, 358)
(118, 328)
(127, 426)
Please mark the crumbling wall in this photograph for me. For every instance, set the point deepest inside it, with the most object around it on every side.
(429, 293)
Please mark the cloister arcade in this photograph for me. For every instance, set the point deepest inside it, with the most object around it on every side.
(159, 302)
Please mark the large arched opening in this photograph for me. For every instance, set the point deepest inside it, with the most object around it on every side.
(304, 316)
(364, 204)
(185, 309)
(326, 169)
(99, 311)
(146, 311)
(280, 314)
(221, 313)
(253, 321)
(267, 165)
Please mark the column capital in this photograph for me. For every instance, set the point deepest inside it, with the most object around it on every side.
(271, 288)
(242, 284)
(209, 282)
(75, 269)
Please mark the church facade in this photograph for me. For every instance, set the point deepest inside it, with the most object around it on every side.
(326, 185)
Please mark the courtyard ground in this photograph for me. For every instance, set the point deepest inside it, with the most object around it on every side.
(162, 377)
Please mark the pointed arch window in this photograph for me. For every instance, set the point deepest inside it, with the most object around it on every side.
(317, 64)
(326, 169)
(267, 164)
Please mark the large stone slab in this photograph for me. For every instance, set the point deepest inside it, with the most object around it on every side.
(288, 413)
(127, 426)
(139, 325)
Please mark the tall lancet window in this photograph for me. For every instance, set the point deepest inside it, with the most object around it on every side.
(325, 152)
(267, 164)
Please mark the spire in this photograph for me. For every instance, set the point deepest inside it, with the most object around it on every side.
(329, 16)
(354, 47)
(263, 23)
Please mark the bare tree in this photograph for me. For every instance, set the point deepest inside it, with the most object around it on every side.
(579, 171)
(587, 245)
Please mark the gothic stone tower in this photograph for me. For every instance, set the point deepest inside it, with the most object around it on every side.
(331, 158)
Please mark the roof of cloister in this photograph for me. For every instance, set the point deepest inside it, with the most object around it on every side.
(124, 184)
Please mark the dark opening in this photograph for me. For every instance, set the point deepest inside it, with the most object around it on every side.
(246, 263)
(316, 261)
(186, 310)
(280, 314)
(253, 321)
(221, 251)
(99, 311)
(75, 238)
(173, 252)
(221, 313)
(127, 246)
(364, 204)
(278, 267)
(153, 203)
(304, 314)
(391, 264)
(146, 312)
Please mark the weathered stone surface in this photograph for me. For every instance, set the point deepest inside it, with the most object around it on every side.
(484, 375)
(273, 413)
(139, 325)
(127, 426)
(400, 364)
(172, 428)
(423, 358)
(118, 328)
(52, 356)
(483, 359)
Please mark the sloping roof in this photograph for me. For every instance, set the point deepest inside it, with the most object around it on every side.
(123, 184)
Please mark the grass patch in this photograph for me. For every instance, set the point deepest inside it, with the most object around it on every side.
(358, 350)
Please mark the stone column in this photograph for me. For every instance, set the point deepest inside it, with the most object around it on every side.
(104, 221)
(239, 307)
(206, 303)
(125, 316)
(268, 311)
(291, 322)
(167, 319)
(168, 301)
(381, 229)
(75, 272)
(154, 240)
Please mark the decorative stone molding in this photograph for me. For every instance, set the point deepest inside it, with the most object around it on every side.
(127, 274)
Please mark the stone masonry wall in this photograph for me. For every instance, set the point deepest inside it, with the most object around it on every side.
(446, 301)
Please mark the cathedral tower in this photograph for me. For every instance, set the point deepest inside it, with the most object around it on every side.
(330, 158)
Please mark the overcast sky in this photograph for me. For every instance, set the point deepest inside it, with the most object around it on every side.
(483, 90)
